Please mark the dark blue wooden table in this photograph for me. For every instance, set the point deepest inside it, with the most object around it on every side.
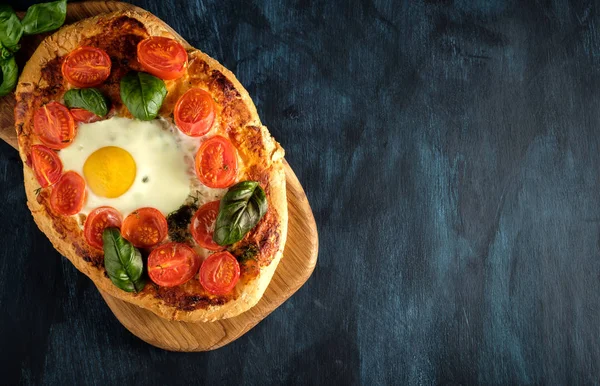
(450, 151)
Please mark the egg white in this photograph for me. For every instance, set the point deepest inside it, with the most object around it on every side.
(164, 158)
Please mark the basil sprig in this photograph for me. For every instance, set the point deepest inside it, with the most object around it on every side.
(123, 262)
(39, 18)
(9, 76)
(143, 94)
(240, 210)
(90, 99)
(11, 28)
(44, 17)
(11, 31)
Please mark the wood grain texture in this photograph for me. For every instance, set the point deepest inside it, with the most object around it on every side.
(296, 266)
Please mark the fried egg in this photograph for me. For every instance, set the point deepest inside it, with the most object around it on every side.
(128, 164)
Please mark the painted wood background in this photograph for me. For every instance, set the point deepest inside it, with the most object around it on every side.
(450, 153)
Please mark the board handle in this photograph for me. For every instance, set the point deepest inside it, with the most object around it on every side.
(7, 122)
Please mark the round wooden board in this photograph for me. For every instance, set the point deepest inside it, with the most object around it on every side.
(296, 266)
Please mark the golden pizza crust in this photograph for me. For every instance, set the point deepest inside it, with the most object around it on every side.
(61, 43)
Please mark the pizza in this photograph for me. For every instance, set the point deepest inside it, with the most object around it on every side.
(147, 166)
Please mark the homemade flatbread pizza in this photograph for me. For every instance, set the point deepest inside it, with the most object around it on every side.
(147, 166)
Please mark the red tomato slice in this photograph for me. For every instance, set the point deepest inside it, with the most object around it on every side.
(202, 226)
(68, 195)
(162, 57)
(145, 227)
(97, 221)
(172, 264)
(83, 115)
(54, 125)
(216, 162)
(194, 112)
(86, 67)
(219, 273)
(46, 165)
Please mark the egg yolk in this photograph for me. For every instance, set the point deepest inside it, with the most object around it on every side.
(109, 171)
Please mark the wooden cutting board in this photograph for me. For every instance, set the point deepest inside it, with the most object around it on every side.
(298, 262)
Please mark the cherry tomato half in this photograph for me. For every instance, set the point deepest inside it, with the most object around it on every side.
(194, 112)
(86, 67)
(219, 273)
(46, 165)
(54, 125)
(145, 227)
(162, 57)
(216, 162)
(202, 226)
(172, 264)
(97, 221)
(68, 195)
(83, 115)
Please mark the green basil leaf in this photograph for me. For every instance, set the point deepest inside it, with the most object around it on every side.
(90, 99)
(143, 94)
(123, 262)
(240, 210)
(7, 52)
(11, 28)
(4, 53)
(44, 17)
(10, 75)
